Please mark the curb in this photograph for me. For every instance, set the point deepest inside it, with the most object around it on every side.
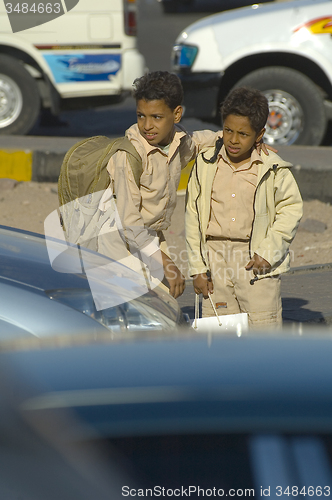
(44, 166)
(311, 268)
(40, 162)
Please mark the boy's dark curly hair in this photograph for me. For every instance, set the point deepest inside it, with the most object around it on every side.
(159, 85)
(245, 101)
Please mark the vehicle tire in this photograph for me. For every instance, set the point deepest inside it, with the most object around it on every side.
(297, 113)
(19, 97)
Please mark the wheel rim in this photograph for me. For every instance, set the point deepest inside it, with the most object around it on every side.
(285, 121)
(11, 101)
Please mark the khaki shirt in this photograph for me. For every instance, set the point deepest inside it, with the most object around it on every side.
(151, 206)
(232, 198)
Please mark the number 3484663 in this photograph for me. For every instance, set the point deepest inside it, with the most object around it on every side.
(35, 8)
(310, 491)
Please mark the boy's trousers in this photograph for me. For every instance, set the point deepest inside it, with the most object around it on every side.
(233, 286)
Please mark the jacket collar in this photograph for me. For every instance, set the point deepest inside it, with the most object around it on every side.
(269, 162)
(255, 157)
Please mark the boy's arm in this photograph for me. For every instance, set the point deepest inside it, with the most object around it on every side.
(197, 267)
(194, 243)
(258, 265)
(203, 284)
(128, 202)
(204, 139)
(289, 210)
(174, 276)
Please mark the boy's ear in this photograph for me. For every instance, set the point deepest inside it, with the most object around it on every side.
(177, 113)
(260, 135)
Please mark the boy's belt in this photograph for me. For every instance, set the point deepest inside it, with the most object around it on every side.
(221, 238)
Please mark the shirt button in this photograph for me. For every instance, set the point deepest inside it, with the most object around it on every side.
(233, 219)
(233, 195)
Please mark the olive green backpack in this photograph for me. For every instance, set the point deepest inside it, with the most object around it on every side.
(82, 182)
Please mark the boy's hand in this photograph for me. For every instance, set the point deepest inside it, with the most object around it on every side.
(174, 277)
(261, 146)
(203, 284)
(258, 265)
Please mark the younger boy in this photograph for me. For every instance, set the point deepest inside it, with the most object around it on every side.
(242, 213)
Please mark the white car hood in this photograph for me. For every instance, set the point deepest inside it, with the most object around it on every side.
(250, 14)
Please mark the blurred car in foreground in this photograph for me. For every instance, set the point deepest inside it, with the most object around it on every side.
(176, 415)
(37, 300)
(204, 5)
(282, 49)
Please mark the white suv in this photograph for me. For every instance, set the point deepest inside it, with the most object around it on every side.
(284, 49)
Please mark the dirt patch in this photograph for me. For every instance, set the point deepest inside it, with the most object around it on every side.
(26, 205)
(313, 241)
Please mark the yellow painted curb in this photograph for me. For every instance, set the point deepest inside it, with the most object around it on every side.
(16, 165)
(185, 176)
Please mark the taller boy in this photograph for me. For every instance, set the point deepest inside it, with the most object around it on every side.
(165, 148)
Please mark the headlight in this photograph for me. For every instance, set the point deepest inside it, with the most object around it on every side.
(148, 312)
(183, 56)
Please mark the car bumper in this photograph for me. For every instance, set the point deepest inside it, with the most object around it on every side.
(201, 92)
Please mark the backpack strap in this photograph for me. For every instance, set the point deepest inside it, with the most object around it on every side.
(134, 159)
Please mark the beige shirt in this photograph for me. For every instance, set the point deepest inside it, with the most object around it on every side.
(151, 206)
(232, 198)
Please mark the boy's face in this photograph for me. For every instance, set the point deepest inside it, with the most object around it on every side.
(239, 138)
(156, 121)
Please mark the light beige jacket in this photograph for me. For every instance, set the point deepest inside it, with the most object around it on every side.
(277, 208)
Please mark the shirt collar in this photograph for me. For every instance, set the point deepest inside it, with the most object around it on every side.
(255, 157)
